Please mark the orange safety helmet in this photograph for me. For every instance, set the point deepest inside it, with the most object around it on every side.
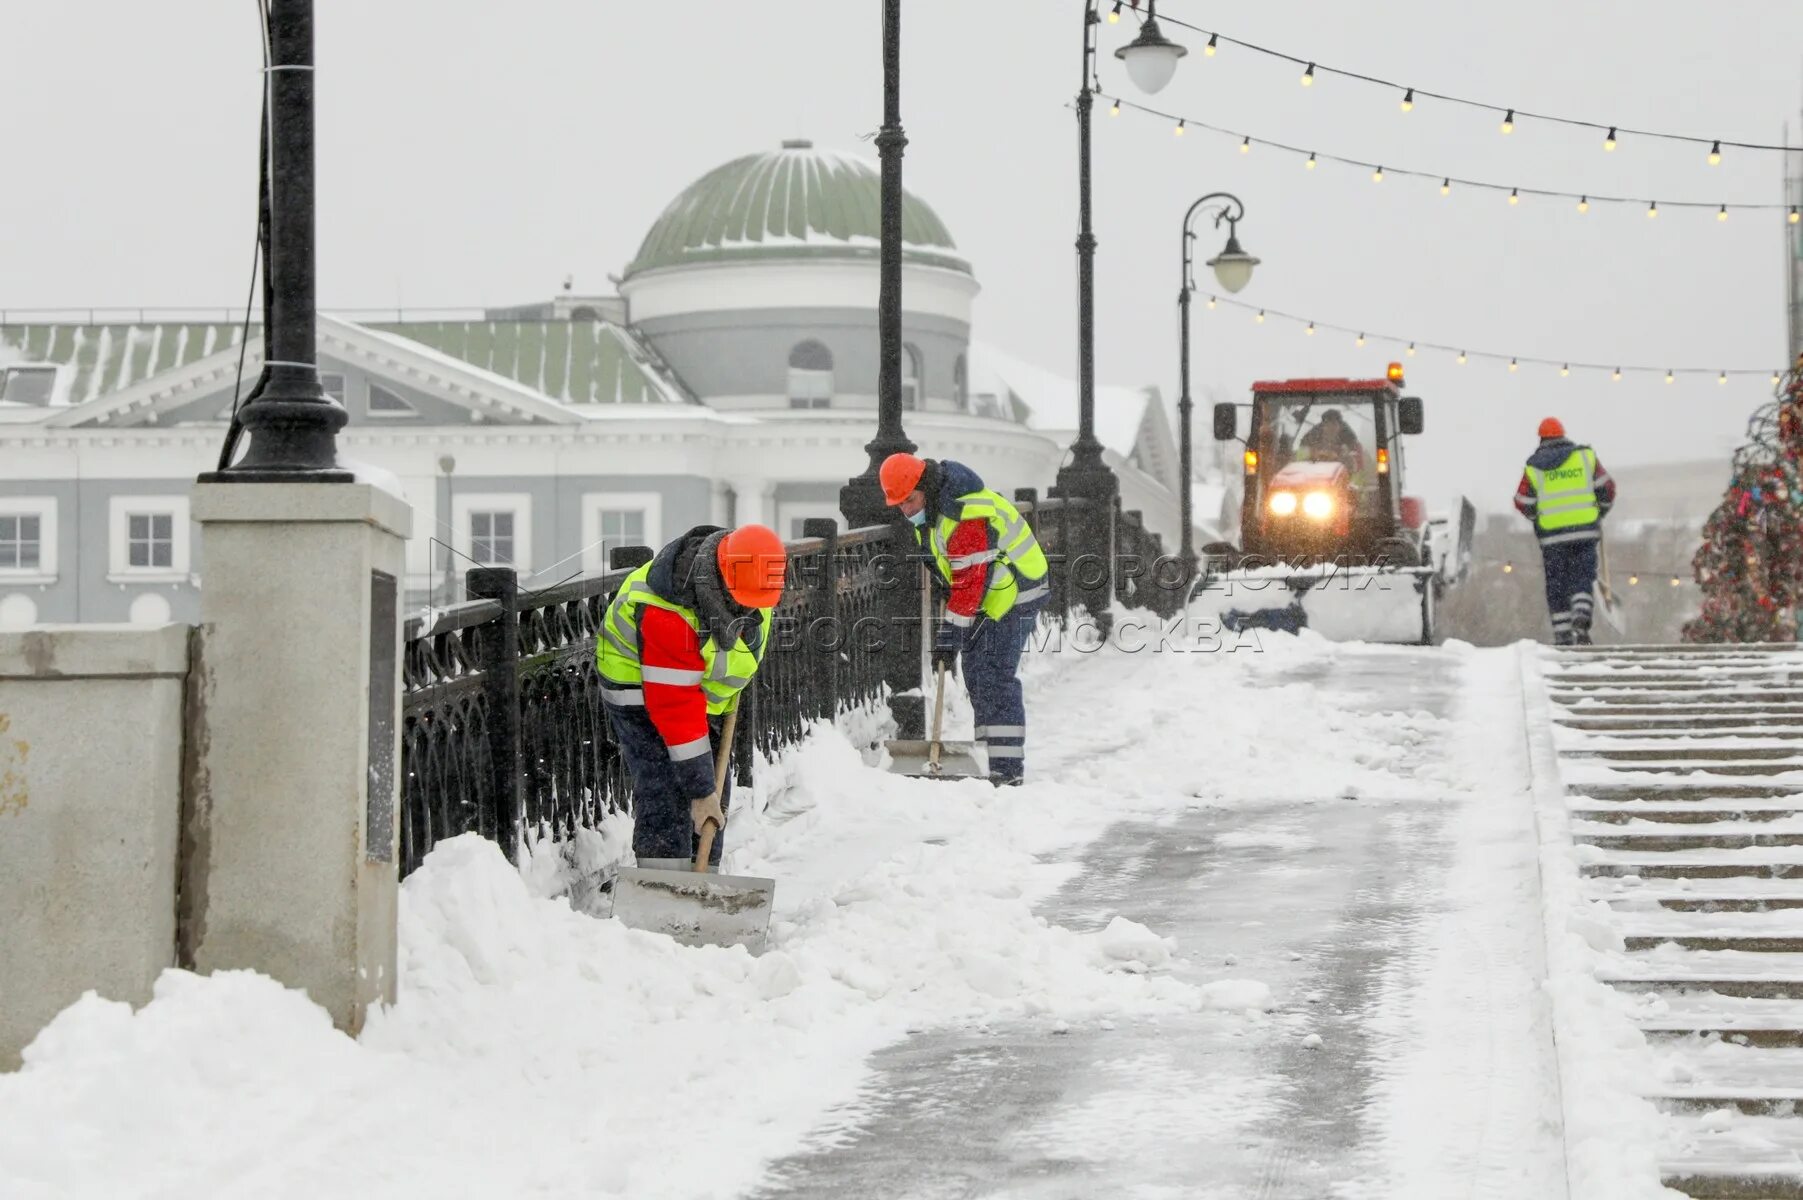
(1552, 427)
(900, 475)
(752, 563)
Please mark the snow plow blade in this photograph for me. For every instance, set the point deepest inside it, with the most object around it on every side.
(696, 908)
(1343, 604)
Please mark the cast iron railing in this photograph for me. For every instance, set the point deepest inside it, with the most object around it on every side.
(503, 728)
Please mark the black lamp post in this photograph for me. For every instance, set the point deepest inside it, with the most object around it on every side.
(293, 424)
(1233, 271)
(861, 499)
(1150, 60)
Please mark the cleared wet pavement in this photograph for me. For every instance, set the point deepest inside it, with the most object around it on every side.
(1324, 902)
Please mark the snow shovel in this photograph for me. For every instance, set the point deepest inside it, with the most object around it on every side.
(935, 758)
(695, 907)
(1607, 606)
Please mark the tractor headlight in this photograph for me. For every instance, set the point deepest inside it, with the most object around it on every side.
(1283, 503)
(1318, 505)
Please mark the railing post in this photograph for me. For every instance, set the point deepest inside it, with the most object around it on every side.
(826, 632)
(500, 642)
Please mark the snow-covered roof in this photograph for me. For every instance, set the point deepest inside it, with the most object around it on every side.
(1050, 399)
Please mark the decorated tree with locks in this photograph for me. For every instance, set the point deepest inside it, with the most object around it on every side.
(1750, 565)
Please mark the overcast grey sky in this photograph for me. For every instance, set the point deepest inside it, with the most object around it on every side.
(473, 153)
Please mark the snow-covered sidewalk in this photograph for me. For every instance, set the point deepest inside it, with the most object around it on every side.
(536, 1051)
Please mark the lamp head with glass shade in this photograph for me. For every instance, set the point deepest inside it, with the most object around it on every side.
(1151, 58)
(1233, 266)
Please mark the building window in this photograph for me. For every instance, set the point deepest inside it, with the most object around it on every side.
(910, 381)
(960, 383)
(493, 530)
(333, 383)
(491, 538)
(614, 519)
(28, 385)
(384, 403)
(149, 537)
(150, 541)
(21, 542)
(810, 376)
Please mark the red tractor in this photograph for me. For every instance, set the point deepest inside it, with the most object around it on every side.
(1323, 513)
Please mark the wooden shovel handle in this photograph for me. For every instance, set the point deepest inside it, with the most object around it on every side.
(721, 762)
(938, 723)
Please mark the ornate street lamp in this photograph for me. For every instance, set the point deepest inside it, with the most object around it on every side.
(861, 499)
(1233, 271)
(1150, 61)
(293, 424)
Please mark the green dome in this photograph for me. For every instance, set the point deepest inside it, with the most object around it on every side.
(793, 203)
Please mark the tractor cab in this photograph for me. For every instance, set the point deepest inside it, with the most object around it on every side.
(1323, 471)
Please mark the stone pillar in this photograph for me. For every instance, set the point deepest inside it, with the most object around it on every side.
(289, 845)
(755, 502)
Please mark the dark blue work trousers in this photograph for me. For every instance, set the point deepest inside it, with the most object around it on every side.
(661, 825)
(991, 659)
(1570, 578)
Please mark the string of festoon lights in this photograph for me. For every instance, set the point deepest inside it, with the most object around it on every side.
(1411, 347)
(1581, 202)
(1408, 97)
(1632, 576)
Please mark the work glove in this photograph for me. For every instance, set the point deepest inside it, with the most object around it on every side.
(945, 656)
(707, 808)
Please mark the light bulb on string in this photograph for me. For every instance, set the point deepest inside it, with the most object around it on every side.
(1652, 210)
(1461, 358)
(1246, 145)
(1310, 164)
(1260, 318)
(1583, 204)
(1508, 123)
(1211, 303)
(1776, 378)
(1114, 14)
(1359, 340)
(1377, 176)
(1609, 142)
(1408, 100)
(1565, 371)
(1311, 329)
(1514, 366)
(1675, 581)
(1633, 581)
(1514, 195)
(1179, 130)
(1446, 187)
(1308, 76)
(1669, 377)
(1114, 109)
(1715, 155)
(1793, 214)
(1616, 378)
(1508, 568)
(1723, 214)
(1722, 378)
(1209, 50)
(1411, 351)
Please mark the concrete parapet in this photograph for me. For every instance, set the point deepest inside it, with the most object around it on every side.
(90, 807)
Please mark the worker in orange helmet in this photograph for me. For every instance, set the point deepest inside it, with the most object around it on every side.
(995, 579)
(1566, 493)
(682, 637)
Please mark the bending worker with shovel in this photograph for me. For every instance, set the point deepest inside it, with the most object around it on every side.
(986, 556)
(682, 637)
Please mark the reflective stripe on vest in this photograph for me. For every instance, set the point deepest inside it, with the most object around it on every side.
(722, 675)
(1020, 565)
(1565, 496)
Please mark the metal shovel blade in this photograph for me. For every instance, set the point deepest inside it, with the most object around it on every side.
(696, 909)
(913, 759)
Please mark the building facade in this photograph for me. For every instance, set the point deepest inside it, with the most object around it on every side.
(731, 379)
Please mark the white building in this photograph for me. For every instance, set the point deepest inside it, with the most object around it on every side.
(731, 379)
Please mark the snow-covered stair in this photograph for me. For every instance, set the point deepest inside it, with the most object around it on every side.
(1681, 769)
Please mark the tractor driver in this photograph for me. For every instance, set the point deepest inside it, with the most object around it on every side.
(1332, 439)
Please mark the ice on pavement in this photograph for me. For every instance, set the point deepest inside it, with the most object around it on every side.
(534, 1050)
